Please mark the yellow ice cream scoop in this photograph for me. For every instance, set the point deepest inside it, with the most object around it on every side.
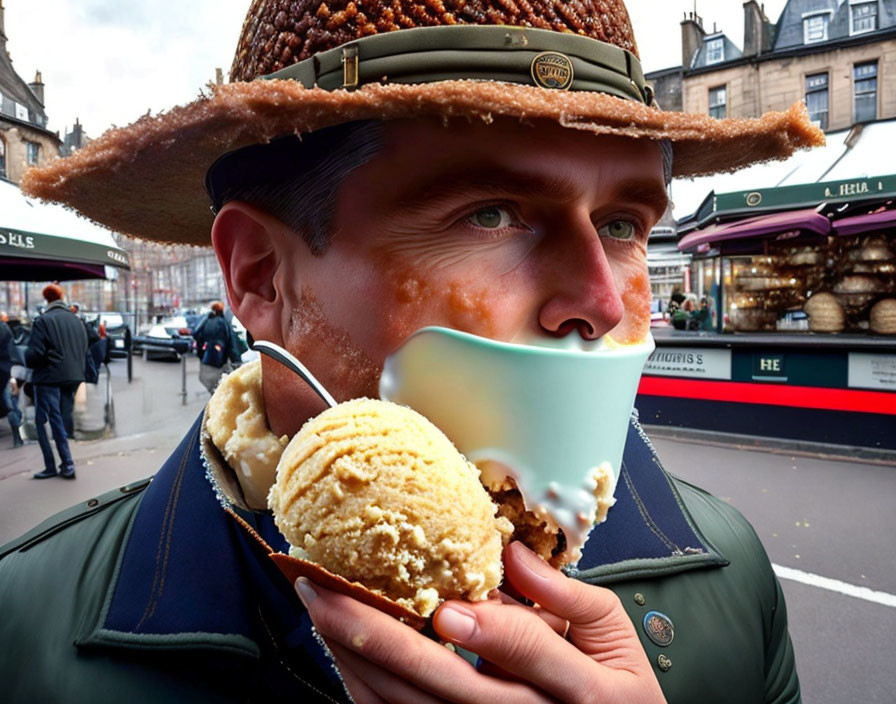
(373, 492)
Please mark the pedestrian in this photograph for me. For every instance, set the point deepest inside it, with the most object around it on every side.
(56, 353)
(702, 317)
(9, 355)
(496, 180)
(214, 341)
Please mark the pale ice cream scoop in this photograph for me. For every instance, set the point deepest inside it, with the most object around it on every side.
(375, 493)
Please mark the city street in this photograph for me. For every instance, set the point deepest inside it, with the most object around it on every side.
(828, 524)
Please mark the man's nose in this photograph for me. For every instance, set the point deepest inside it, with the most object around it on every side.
(582, 294)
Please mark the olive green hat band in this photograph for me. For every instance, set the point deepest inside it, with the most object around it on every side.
(536, 57)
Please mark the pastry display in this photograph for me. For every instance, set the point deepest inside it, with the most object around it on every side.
(825, 313)
(883, 317)
(876, 248)
(856, 291)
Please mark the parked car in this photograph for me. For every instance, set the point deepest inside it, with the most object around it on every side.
(167, 339)
(117, 332)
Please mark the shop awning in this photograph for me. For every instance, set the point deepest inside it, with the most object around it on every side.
(779, 226)
(865, 223)
(721, 207)
(45, 242)
(854, 168)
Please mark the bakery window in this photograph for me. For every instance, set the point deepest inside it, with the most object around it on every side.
(846, 284)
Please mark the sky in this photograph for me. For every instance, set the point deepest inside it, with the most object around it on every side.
(107, 62)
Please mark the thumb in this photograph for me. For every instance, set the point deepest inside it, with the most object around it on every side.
(598, 625)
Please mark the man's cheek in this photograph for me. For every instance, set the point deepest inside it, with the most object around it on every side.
(422, 299)
(633, 285)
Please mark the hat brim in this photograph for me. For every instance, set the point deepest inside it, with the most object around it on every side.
(146, 180)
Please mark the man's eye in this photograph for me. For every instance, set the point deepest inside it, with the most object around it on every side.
(619, 230)
(491, 218)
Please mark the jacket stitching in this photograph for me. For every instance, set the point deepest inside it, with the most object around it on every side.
(645, 514)
(286, 665)
(158, 583)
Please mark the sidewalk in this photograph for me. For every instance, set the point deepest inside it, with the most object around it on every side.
(150, 421)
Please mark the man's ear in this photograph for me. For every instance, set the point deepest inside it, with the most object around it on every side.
(245, 242)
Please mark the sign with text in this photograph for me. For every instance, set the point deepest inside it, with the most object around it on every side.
(700, 363)
(872, 371)
(769, 367)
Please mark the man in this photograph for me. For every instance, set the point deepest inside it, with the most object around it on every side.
(10, 355)
(703, 316)
(56, 352)
(423, 192)
(214, 340)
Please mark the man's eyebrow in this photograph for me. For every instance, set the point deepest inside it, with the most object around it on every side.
(495, 182)
(646, 192)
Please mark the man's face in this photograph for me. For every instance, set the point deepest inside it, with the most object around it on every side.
(507, 231)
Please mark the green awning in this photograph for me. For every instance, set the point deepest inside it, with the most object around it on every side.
(721, 207)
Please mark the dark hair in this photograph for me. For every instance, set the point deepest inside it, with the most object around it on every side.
(296, 178)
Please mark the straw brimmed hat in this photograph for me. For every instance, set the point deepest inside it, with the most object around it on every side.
(328, 63)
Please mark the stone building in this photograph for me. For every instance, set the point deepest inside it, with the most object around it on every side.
(837, 55)
(24, 137)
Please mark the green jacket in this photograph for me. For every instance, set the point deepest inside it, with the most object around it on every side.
(152, 593)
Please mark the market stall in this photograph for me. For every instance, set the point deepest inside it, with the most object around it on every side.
(800, 284)
(44, 242)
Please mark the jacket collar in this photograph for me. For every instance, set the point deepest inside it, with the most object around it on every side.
(189, 575)
(56, 305)
(649, 531)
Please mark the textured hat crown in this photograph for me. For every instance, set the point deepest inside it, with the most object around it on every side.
(279, 33)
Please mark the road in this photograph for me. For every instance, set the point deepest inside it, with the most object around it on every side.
(827, 524)
(826, 518)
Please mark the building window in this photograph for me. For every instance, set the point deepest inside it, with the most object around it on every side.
(2, 158)
(815, 28)
(717, 101)
(865, 91)
(32, 153)
(862, 17)
(715, 51)
(817, 99)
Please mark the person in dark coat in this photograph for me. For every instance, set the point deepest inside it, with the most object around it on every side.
(8, 357)
(57, 352)
(214, 342)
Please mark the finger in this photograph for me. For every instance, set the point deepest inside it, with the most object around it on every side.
(595, 614)
(516, 640)
(559, 625)
(379, 684)
(387, 643)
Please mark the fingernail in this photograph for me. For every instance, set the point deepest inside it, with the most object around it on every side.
(455, 623)
(305, 591)
(532, 562)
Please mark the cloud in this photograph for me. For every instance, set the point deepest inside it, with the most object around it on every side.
(109, 61)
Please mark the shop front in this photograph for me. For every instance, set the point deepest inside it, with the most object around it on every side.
(799, 284)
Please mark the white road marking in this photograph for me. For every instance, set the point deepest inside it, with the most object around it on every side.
(834, 585)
